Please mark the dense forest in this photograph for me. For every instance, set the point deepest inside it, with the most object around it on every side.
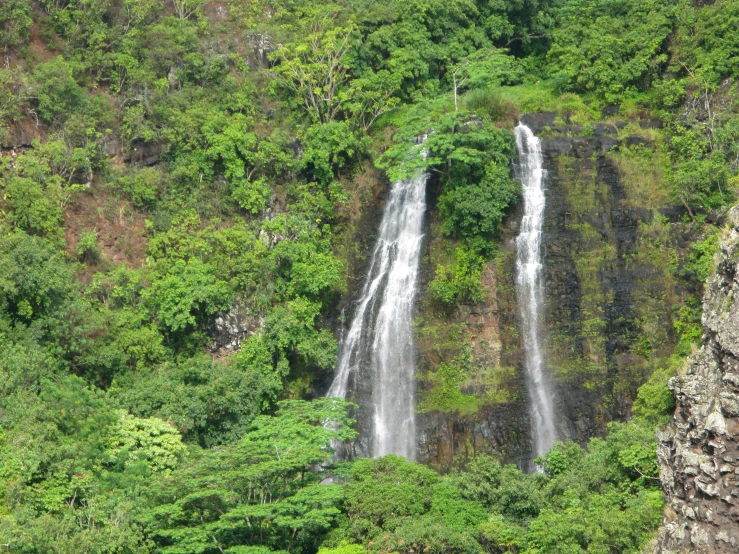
(168, 162)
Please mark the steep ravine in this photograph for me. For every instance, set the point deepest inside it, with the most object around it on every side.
(699, 451)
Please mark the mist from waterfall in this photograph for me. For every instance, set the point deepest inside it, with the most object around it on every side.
(529, 288)
(379, 343)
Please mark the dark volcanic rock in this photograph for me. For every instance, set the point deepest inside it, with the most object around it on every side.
(604, 129)
(585, 147)
(592, 232)
(20, 134)
(501, 431)
(699, 452)
(557, 146)
(637, 141)
(144, 154)
(651, 124)
(262, 47)
(537, 122)
(610, 110)
(230, 328)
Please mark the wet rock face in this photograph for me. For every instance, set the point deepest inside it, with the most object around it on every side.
(699, 452)
(538, 122)
(601, 285)
(501, 431)
(581, 415)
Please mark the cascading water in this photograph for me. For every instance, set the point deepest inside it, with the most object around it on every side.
(379, 343)
(529, 287)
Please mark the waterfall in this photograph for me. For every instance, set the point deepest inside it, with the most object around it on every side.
(379, 343)
(529, 287)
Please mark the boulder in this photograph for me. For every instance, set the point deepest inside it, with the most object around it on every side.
(537, 122)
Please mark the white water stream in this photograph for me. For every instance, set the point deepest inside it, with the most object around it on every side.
(379, 343)
(530, 289)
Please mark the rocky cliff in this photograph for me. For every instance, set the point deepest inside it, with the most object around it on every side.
(613, 245)
(699, 451)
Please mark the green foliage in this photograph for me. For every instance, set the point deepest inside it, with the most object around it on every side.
(10, 102)
(462, 147)
(474, 210)
(185, 295)
(700, 262)
(490, 101)
(382, 492)
(445, 394)
(15, 19)
(38, 185)
(142, 186)
(35, 283)
(252, 196)
(258, 492)
(460, 282)
(402, 507)
(472, 158)
(585, 500)
(609, 48)
(688, 327)
(503, 490)
(248, 159)
(499, 535)
(706, 41)
(603, 496)
(331, 150)
(316, 71)
(535, 97)
(289, 331)
(87, 246)
(151, 441)
(209, 403)
(429, 534)
(58, 92)
(53, 444)
(669, 93)
(699, 174)
(343, 548)
(485, 68)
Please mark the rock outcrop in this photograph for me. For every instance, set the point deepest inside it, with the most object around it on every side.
(699, 451)
(231, 327)
(19, 135)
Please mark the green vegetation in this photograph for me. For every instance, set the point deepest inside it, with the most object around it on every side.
(466, 379)
(586, 500)
(167, 164)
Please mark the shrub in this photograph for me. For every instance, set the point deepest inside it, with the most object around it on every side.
(88, 249)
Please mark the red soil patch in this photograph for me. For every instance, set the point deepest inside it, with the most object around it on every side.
(121, 231)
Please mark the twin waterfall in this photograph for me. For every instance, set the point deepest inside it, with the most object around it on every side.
(378, 347)
(529, 289)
